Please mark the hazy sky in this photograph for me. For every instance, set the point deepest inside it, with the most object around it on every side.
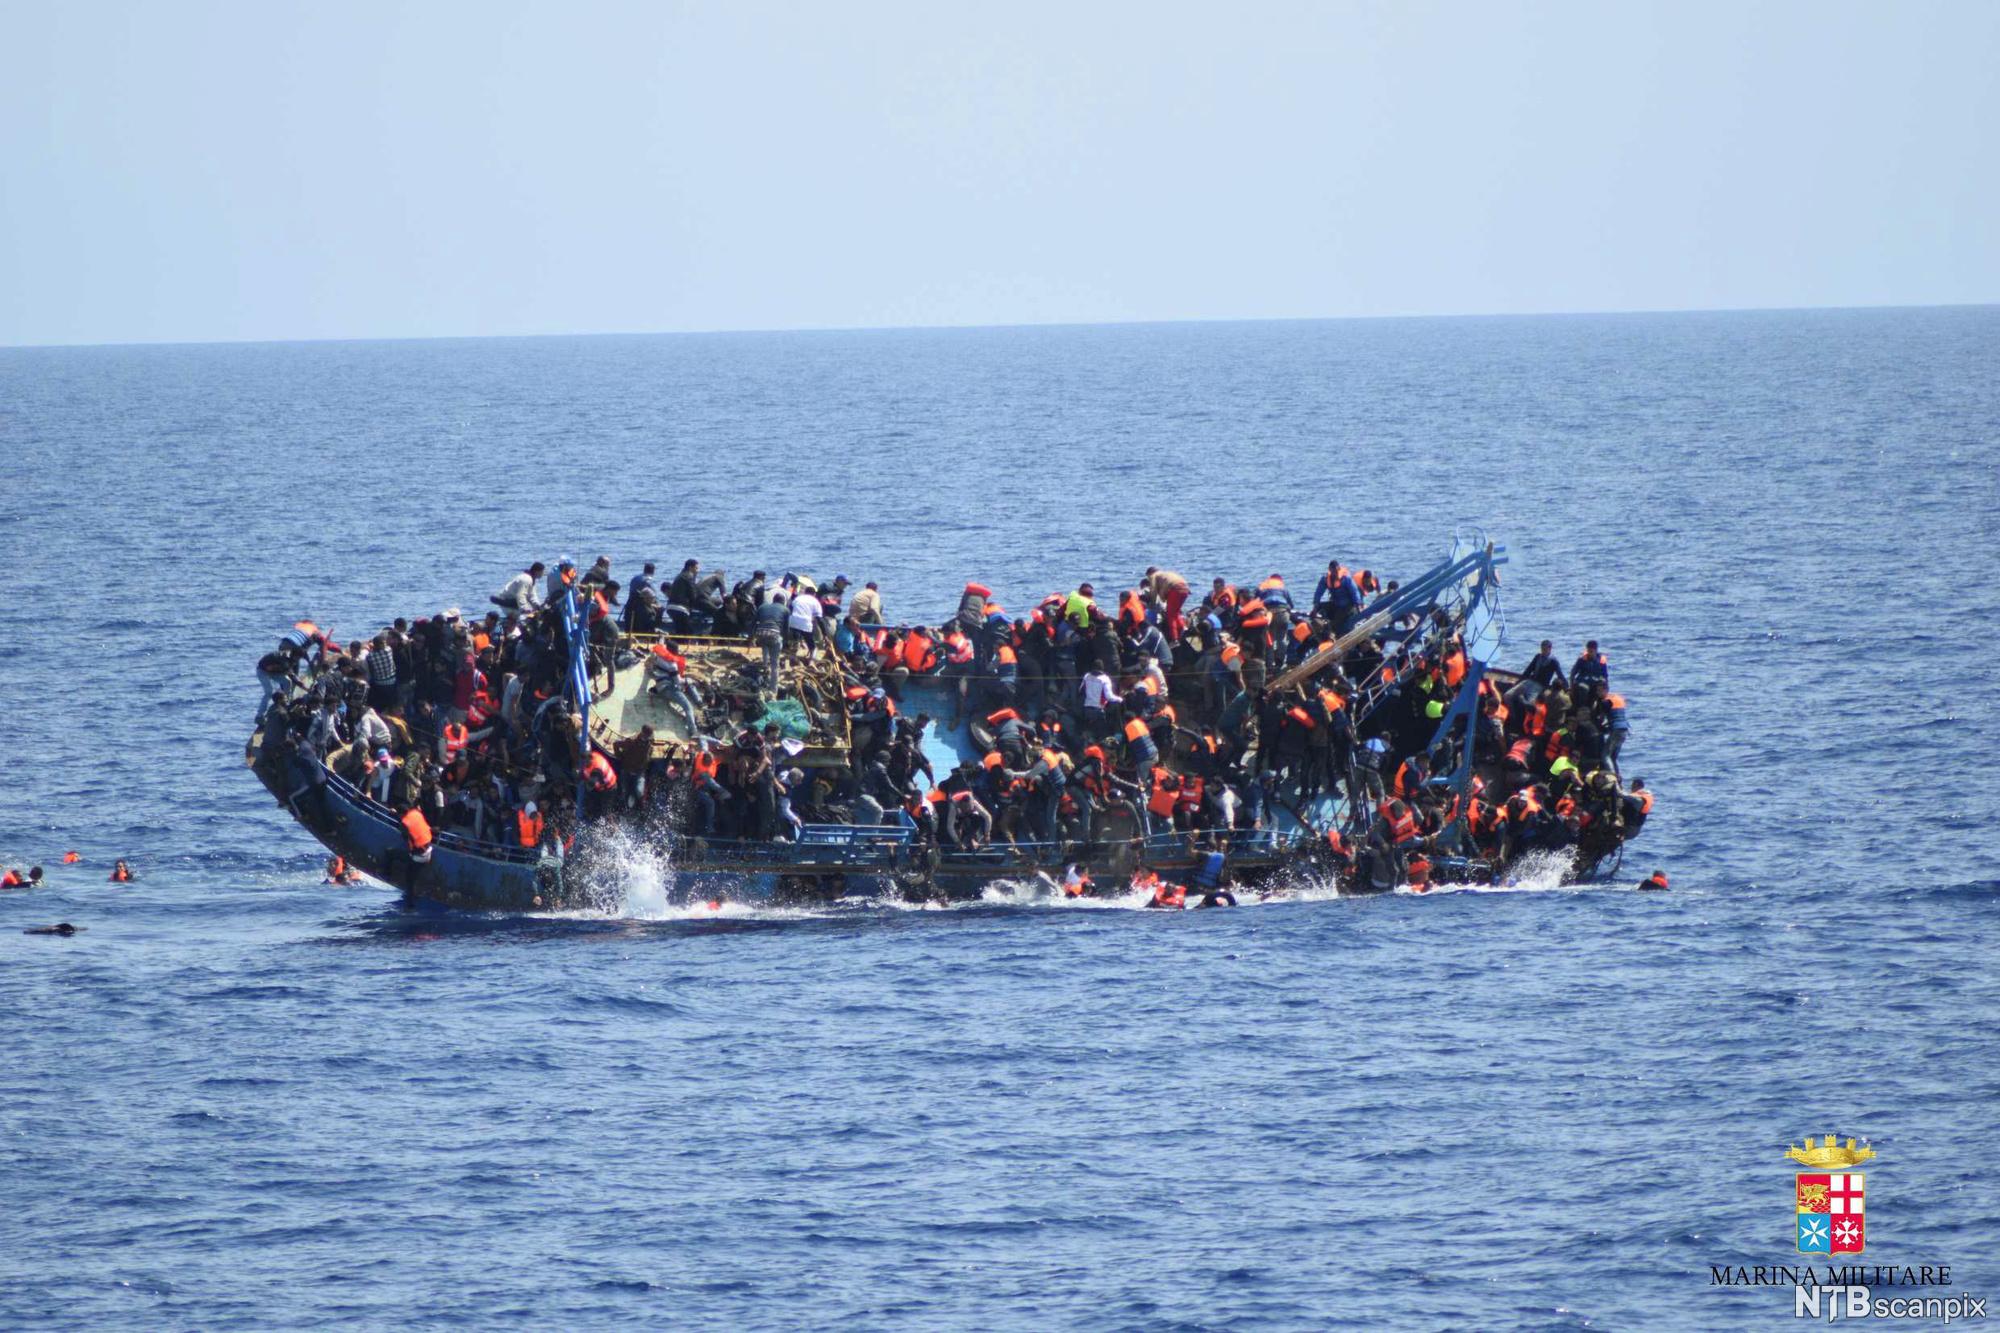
(196, 171)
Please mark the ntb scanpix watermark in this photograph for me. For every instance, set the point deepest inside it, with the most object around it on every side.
(1829, 1209)
(1847, 1302)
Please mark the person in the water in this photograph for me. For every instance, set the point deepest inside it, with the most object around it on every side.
(122, 873)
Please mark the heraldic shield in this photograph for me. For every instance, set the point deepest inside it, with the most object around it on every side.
(1831, 1217)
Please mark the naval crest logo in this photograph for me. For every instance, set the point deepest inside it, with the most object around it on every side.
(1831, 1204)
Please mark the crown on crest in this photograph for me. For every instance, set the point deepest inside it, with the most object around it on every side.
(1830, 1154)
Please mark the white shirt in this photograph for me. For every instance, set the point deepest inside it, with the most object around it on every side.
(1097, 690)
(805, 611)
(520, 591)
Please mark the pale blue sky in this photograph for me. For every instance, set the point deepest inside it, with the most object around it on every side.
(206, 171)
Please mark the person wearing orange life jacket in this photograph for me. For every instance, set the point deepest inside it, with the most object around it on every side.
(1163, 798)
(1410, 777)
(972, 608)
(1075, 882)
(1048, 778)
(337, 871)
(71, 858)
(452, 739)
(1592, 668)
(1418, 873)
(12, 879)
(1637, 803)
(1271, 591)
(122, 873)
(1655, 881)
(1171, 897)
(600, 780)
(528, 826)
(958, 659)
(1140, 751)
(418, 841)
(1187, 805)
(1004, 667)
(920, 653)
(1519, 755)
(667, 677)
(1613, 721)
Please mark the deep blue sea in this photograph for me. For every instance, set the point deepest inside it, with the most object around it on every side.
(241, 1099)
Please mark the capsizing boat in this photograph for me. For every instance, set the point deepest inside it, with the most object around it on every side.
(1412, 670)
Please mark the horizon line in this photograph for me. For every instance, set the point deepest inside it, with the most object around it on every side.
(768, 330)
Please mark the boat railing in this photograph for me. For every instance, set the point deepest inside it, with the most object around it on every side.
(891, 849)
(368, 807)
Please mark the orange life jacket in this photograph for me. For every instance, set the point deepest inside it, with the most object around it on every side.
(1302, 717)
(598, 772)
(1402, 827)
(1169, 895)
(1454, 669)
(416, 829)
(454, 739)
(1005, 655)
(919, 652)
(1646, 802)
(670, 657)
(1136, 731)
(337, 870)
(1657, 879)
(1166, 789)
(706, 764)
(995, 718)
(71, 858)
(11, 880)
(121, 875)
(1420, 874)
(528, 827)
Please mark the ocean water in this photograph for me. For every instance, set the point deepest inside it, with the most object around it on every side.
(241, 1099)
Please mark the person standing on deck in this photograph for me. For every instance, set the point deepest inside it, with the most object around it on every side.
(1079, 605)
(382, 693)
(802, 621)
(1171, 591)
(1589, 669)
(642, 585)
(1542, 674)
(769, 635)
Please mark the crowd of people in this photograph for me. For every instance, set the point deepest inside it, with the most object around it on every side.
(1147, 711)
